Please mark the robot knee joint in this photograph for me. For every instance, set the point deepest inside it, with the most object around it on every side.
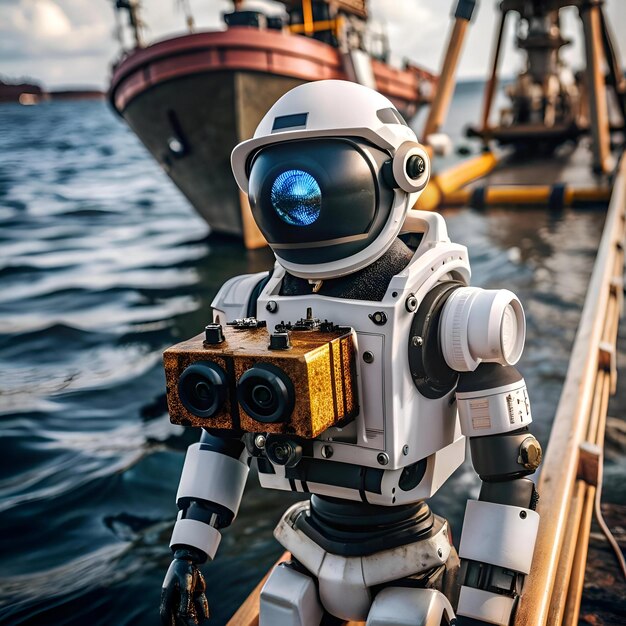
(290, 598)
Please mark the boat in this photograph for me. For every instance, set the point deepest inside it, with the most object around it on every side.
(191, 99)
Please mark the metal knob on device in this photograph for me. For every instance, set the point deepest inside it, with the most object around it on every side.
(279, 341)
(213, 334)
(530, 453)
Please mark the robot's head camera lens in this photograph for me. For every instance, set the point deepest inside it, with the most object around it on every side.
(415, 166)
(296, 197)
(266, 393)
(202, 388)
(283, 451)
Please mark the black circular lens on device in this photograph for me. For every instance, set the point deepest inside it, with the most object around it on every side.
(202, 388)
(266, 393)
(281, 451)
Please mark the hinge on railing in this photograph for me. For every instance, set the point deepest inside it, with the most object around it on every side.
(589, 463)
(617, 288)
(607, 361)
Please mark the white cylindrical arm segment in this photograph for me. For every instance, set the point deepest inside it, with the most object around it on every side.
(212, 477)
(485, 606)
(494, 411)
(190, 532)
(482, 326)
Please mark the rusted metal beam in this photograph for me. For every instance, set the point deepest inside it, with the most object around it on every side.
(490, 87)
(598, 108)
(447, 77)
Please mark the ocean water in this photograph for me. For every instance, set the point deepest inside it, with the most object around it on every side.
(103, 264)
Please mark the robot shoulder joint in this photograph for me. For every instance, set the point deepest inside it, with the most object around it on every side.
(238, 296)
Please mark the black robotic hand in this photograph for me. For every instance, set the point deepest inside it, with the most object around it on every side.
(183, 601)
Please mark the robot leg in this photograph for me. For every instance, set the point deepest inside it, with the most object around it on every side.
(289, 598)
(402, 606)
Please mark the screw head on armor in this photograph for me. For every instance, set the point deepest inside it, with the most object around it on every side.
(317, 176)
(530, 453)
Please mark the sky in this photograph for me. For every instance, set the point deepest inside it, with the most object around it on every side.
(65, 43)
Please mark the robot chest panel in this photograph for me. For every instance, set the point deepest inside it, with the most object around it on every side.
(393, 414)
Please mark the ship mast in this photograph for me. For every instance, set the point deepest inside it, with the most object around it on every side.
(189, 20)
(135, 22)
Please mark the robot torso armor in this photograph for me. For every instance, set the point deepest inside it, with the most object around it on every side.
(405, 443)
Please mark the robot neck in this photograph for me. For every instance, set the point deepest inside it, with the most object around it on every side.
(370, 283)
(358, 528)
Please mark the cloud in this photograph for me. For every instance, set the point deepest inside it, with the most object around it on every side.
(65, 42)
(36, 28)
(49, 21)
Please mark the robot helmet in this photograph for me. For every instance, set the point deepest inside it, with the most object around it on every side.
(331, 172)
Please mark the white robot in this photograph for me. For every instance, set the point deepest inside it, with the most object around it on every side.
(332, 173)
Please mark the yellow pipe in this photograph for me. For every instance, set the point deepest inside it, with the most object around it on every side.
(592, 194)
(314, 27)
(338, 26)
(527, 195)
(451, 180)
(459, 175)
(447, 75)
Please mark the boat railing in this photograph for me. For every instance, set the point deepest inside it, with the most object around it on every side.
(310, 26)
(570, 480)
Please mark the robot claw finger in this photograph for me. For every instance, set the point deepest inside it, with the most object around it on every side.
(355, 371)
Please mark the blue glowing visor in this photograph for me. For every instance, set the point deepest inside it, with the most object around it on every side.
(296, 197)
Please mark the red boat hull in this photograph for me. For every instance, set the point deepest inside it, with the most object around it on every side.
(191, 99)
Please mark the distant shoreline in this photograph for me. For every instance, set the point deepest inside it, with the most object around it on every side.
(33, 93)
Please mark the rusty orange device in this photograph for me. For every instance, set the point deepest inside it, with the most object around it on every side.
(299, 380)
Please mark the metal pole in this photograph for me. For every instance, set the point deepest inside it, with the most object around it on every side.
(598, 110)
(613, 60)
(490, 87)
(446, 83)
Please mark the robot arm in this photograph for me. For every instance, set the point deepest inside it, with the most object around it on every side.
(484, 336)
(500, 528)
(209, 494)
(211, 485)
